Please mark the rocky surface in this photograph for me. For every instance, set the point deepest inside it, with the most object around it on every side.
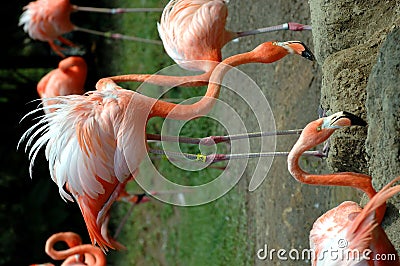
(383, 139)
(347, 37)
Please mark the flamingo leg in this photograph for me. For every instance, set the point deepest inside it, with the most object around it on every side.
(292, 26)
(117, 36)
(214, 158)
(212, 140)
(115, 10)
(134, 199)
(66, 41)
(57, 49)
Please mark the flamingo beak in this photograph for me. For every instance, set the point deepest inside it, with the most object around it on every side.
(299, 48)
(307, 54)
(342, 119)
(355, 120)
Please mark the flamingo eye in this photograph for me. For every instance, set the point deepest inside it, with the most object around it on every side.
(319, 128)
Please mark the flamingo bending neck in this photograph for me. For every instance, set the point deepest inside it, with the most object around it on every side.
(317, 132)
(265, 53)
(92, 255)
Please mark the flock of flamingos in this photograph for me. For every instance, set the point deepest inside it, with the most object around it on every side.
(85, 134)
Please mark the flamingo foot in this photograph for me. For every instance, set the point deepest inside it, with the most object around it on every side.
(298, 27)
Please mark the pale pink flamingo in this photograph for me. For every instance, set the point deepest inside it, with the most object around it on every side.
(317, 132)
(48, 20)
(88, 136)
(69, 78)
(193, 30)
(193, 34)
(354, 234)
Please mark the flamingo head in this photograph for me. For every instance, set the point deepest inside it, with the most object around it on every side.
(269, 52)
(341, 119)
(296, 47)
(321, 129)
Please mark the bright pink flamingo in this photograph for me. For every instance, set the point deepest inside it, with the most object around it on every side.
(354, 233)
(69, 78)
(48, 20)
(88, 136)
(317, 132)
(195, 30)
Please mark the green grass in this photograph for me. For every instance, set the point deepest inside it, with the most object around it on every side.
(158, 233)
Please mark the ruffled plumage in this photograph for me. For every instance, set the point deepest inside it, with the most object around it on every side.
(194, 30)
(349, 231)
(83, 140)
(46, 20)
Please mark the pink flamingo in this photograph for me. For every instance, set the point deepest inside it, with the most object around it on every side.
(47, 20)
(69, 78)
(354, 234)
(89, 134)
(317, 132)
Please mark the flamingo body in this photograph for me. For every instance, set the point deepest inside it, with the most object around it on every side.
(354, 233)
(194, 30)
(87, 132)
(47, 20)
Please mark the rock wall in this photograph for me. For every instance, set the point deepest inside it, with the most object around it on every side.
(357, 45)
(383, 114)
(347, 37)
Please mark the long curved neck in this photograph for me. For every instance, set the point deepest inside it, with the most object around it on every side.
(71, 239)
(350, 179)
(293, 163)
(75, 248)
(91, 253)
(202, 107)
(161, 80)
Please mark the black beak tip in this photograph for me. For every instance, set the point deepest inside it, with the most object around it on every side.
(307, 53)
(355, 120)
